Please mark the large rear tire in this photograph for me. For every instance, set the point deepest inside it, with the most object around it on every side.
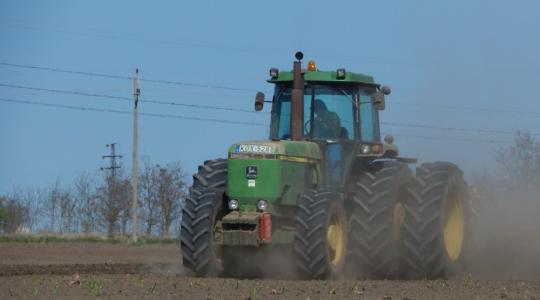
(201, 217)
(436, 224)
(321, 237)
(376, 218)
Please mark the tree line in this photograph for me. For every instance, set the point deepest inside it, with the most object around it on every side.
(99, 203)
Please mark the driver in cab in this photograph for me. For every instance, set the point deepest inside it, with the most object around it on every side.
(327, 123)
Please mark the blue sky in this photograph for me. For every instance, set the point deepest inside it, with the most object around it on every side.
(458, 53)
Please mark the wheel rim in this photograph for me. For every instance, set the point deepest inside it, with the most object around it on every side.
(454, 226)
(398, 219)
(335, 238)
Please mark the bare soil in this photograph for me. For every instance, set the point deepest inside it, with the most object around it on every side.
(88, 258)
(89, 270)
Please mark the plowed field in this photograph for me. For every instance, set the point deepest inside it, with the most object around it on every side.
(93, 270)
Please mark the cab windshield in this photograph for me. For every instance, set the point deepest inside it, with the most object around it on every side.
(330, 112)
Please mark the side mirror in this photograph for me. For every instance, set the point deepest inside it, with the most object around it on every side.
(378, 101)
(259, 101)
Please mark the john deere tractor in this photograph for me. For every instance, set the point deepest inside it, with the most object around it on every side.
(325, 190)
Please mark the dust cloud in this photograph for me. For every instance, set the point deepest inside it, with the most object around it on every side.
(273, 261)
(505, 241)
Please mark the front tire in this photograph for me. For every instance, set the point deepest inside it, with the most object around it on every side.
(200, 226)
(320, 239)
(201, 215)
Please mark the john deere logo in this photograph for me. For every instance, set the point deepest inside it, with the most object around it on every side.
(251, 172)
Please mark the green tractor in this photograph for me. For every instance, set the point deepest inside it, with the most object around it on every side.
(325, 190)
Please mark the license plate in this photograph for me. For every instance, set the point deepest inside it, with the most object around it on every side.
(254, 149)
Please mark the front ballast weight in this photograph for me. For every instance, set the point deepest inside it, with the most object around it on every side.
(245, 229)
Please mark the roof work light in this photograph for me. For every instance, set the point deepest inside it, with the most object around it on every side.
(274, 73)
(311, 66)
(340, 73)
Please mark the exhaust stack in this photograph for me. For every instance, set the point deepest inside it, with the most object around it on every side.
(297, 101)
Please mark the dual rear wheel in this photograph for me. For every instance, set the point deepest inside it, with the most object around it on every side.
(409, 226)
(436, 230)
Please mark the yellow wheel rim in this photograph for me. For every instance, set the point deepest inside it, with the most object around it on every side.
(454, 226)
(335, 238)
(399, 218)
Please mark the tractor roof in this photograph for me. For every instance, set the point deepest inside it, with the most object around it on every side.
(324, 76)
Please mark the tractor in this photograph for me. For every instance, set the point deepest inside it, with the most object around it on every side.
(325, 190)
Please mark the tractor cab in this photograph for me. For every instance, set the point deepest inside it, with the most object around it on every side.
(334, 105)
(331, 112)
(337, 110)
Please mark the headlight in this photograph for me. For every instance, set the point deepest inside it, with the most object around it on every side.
(365, 149)
(233, 204)
(262, 205)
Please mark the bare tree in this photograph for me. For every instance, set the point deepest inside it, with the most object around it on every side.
(52, 204)
(14, 216)
(68, 209)
(85, 193)
(112, 195)
(171, 191)
(125, 205)
(3, 214)
(149, 189)
(33, 199)
(162, 190)
(520, 163)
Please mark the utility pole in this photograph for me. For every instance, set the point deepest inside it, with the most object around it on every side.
(112, 158)
(134, 174)
(111, 178)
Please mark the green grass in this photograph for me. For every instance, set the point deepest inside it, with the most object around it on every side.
(35, 238)
(94, 287)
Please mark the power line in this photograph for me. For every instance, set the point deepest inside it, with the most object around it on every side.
(220, 87)
(111, 76)
(493, 131)
(222, 121)
(465, 108)
(68, 92)
(449, 128)
(66, 71)
(438, 138)
(161, 102)
(169, 116)
(229, 88)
